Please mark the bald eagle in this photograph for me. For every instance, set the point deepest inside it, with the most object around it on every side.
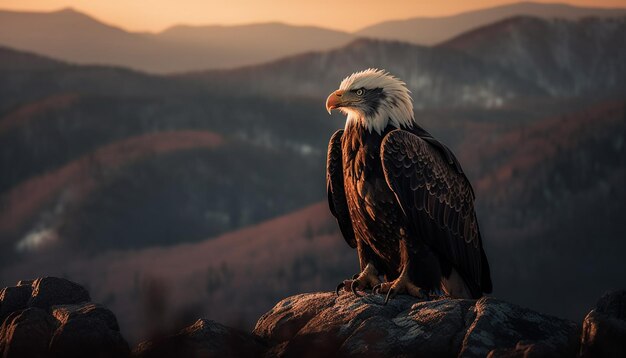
(400, 197)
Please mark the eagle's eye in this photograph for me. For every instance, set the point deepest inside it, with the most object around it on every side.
(360, 92)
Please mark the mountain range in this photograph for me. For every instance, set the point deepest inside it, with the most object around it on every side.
(79, 38)
(59, 119)
(434, 30)
(489, 67)
(75, 37)
(61, 124)
(561, 57)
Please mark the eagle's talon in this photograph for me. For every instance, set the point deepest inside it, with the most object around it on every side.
(364, 280)
(376, 289)
(390, 294)
(354, 286)
(401, 285)
(339, 287)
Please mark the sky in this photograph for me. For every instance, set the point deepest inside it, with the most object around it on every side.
(347, 15)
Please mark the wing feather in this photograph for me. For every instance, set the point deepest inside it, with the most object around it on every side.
(438, 201)
(335, 189)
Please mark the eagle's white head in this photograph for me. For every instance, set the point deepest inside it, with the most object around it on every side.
(375, 99)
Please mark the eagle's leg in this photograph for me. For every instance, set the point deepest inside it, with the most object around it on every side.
(400, 285)
(403, 283)
(368, 278)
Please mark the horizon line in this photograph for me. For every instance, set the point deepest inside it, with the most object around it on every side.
(282, 22)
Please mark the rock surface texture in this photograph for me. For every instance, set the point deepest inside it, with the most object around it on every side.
(604, 328)
(53, 317)
(203, 339)
(406, 327)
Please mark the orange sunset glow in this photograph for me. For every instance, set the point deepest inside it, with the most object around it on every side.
(347, 15)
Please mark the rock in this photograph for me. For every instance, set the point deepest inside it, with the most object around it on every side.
(501, 324)
(27, 333)
(13, 299)
(52, 317)
(350, 326)
(87, 330)
(288, 316)
(52, 291)
(77, 328)
(525, 350)
(25, 282)
(203, 339)
(604, 328)
(88, 337)
(65, 313)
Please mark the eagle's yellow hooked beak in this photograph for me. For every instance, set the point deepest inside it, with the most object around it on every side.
(334, 100)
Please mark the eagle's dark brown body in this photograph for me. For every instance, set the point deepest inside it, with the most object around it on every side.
(372, 206)
(400, 198)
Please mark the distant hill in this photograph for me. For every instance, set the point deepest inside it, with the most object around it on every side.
(489, 67)
(28, 77)
(12, 60)
(75, 37)
(560, 56)
(71, 36)
(552, 205)
(435, 76)
(79, 38)
(233, 46)
(56, 120)
(433, 30)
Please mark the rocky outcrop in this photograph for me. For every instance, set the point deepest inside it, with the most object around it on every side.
(13, 299)
(50, 291)
(351, 326)
(203, 339)
(26, 333)
(52, 317)
(604, 328)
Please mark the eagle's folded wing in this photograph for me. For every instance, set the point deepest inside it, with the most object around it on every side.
(336, 192)
(438, 202)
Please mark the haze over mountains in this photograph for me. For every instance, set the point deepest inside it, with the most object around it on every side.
(489, 67)
(75, 37)
(434, 30)
(72, 36)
